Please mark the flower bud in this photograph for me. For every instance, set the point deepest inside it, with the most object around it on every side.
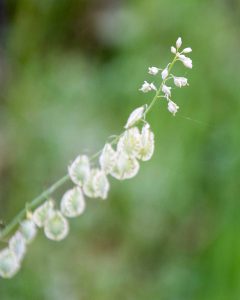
(172, 107)
(173, 50)
(73, 204)
(164, 73)
(56, 228)
(187, 50)
(179, 43)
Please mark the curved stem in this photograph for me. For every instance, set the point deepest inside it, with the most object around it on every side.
(48, 192)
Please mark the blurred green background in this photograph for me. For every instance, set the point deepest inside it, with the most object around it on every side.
(69, 77)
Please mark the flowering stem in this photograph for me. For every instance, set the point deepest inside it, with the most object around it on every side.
(48, 192)
(160, 88)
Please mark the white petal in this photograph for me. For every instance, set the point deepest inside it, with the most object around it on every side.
(180, 81)
(172, 107)
(135, 116)
(166, 90)
(130, 142)
(147, 144)
(153, 70)
(42, 213)
(79, 170)
(28, 230)
(72, 203)
(126, 167)
(9, 264)
(101, 184)
(107, 158)
(56, 227)
(97, 185)
(17, 244)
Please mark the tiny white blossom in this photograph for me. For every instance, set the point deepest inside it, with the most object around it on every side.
(9, 264)
(97, 184)
(135, 116)
(107, 158)
(172, 107)
(173, 50)
(147, 144)
(164, 73)
(28, 230)
(147, 87)
(56, 228)
(179, 43)
(180, 81)
(186, 61)
(130, 142)
(42, 213)
(166, 90)
(17, 244)
(187, 50)
(79, 170)
(126, 167)
(153, 70)
(72, 203)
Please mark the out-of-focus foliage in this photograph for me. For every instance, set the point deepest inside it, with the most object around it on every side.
(70, 73)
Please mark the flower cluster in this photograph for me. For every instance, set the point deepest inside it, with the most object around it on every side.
(120, 159)
(166, 75)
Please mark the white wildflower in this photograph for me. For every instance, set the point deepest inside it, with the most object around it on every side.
(126, 167)
(173, 50)
(129, 142)
(72, 203)
(164, 73)
(180, 81)
(56, 228)
(79, 170)
(147, 144)
(187, 50)
(28, 230)
(42, 213)
(166, 90)
(147, 87)
(17, 244)
(107, 158)
(153, 70)
(179, 43)
(97, 184)
(172, 107)
(9, 264)
(135, 116)
(186, 61)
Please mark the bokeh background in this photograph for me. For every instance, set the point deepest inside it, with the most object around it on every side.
(69, 77)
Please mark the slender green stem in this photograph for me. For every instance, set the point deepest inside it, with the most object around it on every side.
(48, 192)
